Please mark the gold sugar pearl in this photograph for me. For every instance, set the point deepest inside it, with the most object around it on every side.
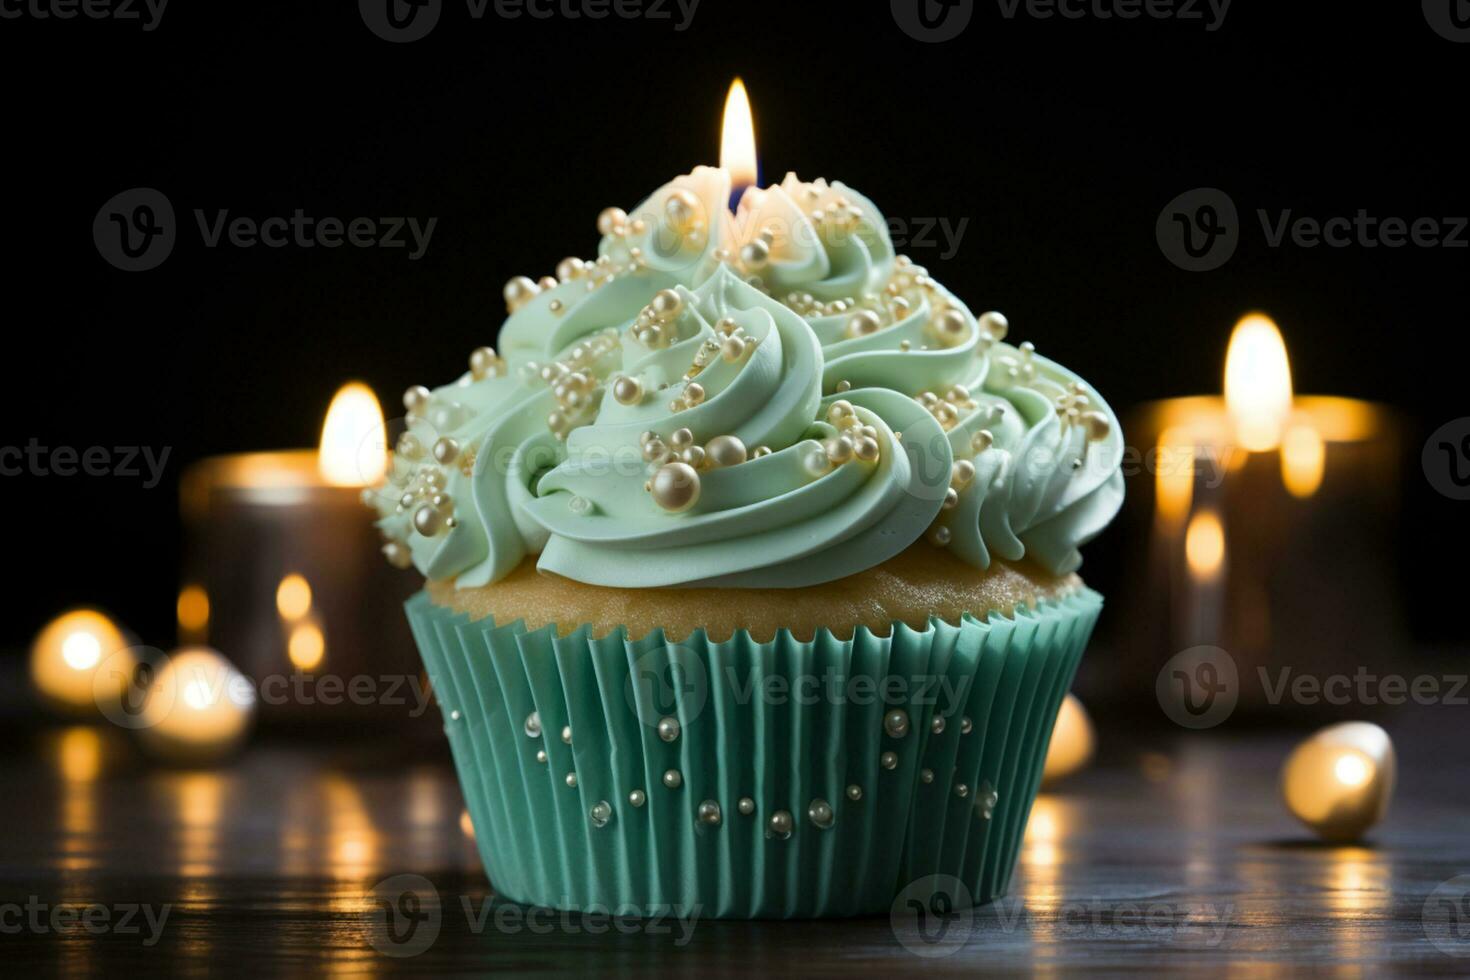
(725, 451)
(628, 391)
(611, 221)
(518, 292)
(839, 449)
(484, 362)
(982, 441)
(994, 325)
(951, 326)
(675, 487)
(667, 303)
(680, 209)
(1098, 426)
(681, 439)
(863, 323)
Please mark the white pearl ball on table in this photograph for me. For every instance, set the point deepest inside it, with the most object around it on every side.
(1339, 781)
(197, 709)
(1072, 742)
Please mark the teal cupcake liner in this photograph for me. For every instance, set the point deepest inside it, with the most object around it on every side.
(739, 779)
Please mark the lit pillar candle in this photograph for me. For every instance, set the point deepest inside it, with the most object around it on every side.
(283, 572)
(1339, 781)
(81, 662)
(1243, 503)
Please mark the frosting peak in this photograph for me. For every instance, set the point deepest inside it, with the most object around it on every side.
(765, 398)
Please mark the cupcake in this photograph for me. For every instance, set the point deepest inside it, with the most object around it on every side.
(751, 565)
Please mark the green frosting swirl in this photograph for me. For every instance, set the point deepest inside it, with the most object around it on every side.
(769, 398)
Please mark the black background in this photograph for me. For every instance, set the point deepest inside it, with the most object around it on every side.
(1059, 140)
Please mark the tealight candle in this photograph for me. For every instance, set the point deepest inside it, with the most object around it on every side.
(197, 708)
(1244, 502)
(282, 570)
(80, 662)
(1072, 742)
(1339, 781)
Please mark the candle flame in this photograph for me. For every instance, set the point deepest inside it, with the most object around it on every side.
(737, 138)
(193, 610)
(1257, 383)
(1303, 458)
(1204, 545)
(353, 448)
(307, 646)
(293, 597)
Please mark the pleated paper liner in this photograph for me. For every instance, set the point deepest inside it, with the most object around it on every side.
(750, 780)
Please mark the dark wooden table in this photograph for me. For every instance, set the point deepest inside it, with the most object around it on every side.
(1172, 853)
